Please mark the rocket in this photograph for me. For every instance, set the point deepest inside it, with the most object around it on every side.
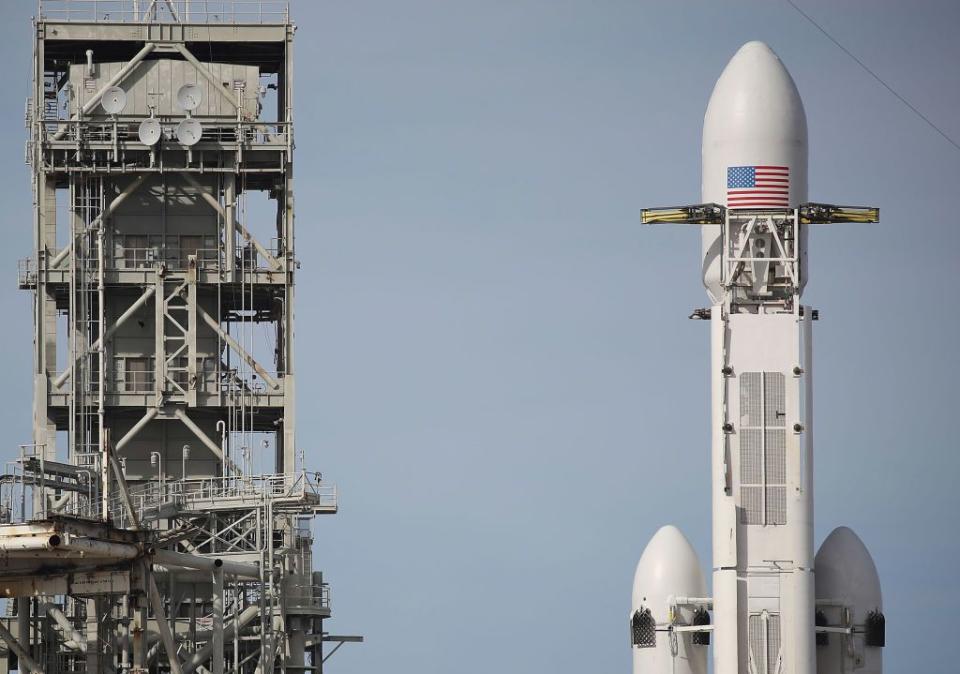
(774, 607)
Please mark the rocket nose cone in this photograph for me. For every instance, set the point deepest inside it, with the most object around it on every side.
(669, 560)
(755, 118)
(755, 97)
(844, 567)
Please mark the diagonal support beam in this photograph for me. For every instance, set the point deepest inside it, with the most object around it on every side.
(207, 75)
(26, 662)
(147, 294)
(137, 427)
(203, 437)
(124, 493)
(130, 189)
(163, 626)
(112, 82)
(235, 345)
(210, 199)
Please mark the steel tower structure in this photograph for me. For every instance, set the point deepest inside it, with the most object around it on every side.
(159, 518)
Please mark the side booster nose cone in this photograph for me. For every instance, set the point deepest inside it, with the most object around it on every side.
(847, 583)
(669, 568)
(754, 146)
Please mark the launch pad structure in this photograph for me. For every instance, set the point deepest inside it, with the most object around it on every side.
(159, 520)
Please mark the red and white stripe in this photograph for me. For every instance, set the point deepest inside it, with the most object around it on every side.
(771, 189)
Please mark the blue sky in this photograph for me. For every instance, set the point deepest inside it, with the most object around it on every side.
(494, 359)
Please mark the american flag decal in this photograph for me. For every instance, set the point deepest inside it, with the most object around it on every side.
(758, 186)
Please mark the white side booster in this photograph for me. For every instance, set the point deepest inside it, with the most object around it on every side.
(776, 610)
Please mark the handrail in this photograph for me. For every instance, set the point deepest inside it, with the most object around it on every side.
(269, 12)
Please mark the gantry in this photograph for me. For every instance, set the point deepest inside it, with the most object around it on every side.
(159, 518)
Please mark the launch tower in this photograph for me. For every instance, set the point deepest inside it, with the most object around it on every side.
(160, 518)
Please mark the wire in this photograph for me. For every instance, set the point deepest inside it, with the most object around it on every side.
(874, 75)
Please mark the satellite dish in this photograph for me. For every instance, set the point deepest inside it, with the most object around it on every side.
(189, 96)
(114, 100)
(189, 132)
(150, 131)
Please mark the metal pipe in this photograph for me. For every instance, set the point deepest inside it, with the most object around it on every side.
(67, 543)
(90, 63)
(69, 630)
(229, 632)
(173, 558)
(216, 642)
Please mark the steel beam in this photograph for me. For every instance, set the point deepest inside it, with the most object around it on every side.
(235, 345)
(166, 636)
(112, 82)
(121, 319)
(26, 662)
(180, 414)
(137, 427)
(210, 199)
(207, 75)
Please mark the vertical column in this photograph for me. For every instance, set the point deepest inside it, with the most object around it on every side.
(229, 221)
(216, 641)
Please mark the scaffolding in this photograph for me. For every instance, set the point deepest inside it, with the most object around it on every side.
(160, 518)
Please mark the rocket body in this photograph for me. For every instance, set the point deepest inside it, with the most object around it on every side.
(770, 615)
(755, 156)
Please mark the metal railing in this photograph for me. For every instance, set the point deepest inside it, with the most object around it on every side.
(247, 132)
(247, 490)
(26, 272)
(167, 11)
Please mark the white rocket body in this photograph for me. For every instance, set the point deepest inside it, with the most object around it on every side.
(764, 591)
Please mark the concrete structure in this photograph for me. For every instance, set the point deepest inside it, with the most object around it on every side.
(773, 612)
(160, 517)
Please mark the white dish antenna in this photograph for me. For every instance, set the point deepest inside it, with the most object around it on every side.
(150, 131)
(114, 100)
(189, 97)
(189, 132)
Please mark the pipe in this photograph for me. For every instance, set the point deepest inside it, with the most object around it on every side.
(229, 631)
(216, 642)
(69, 630)
(90, 63)
(26, 662)
(70, 544)
(173, 558)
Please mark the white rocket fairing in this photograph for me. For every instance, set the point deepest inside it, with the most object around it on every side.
(770, 616)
